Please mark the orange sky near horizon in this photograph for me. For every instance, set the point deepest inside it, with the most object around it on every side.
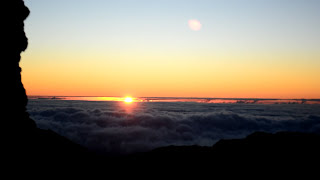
(171, 75)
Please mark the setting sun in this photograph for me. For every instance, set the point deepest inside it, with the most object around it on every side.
(128, 100)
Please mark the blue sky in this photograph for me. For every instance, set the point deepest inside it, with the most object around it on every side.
(287, 24)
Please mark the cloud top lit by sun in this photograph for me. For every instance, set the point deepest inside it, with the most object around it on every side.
(194, 24)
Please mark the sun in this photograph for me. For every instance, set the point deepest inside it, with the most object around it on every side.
(128, 100)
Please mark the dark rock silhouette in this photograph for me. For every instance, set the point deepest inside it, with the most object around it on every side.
(24, 143)
(14, 41)
(286, 153)
(258, 147)
(21, 139)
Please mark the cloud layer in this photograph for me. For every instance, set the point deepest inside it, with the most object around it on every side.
(118, 128)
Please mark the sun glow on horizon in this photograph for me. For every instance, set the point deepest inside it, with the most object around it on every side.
(128, 100)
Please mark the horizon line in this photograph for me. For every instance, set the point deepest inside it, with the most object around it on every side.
(186, 97)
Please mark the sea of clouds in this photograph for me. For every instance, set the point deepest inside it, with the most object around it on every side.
(118, 128)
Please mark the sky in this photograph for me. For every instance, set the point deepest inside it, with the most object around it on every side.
(141, 48)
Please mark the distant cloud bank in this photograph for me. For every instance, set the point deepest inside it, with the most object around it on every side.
(116, 128)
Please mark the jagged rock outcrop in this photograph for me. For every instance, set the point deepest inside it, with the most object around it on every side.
(21, 140)
(13, 42)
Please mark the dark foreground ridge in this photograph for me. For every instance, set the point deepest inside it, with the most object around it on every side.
(24, 145)
(257, 148)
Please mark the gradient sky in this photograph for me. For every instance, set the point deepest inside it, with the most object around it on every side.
(247, 48)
